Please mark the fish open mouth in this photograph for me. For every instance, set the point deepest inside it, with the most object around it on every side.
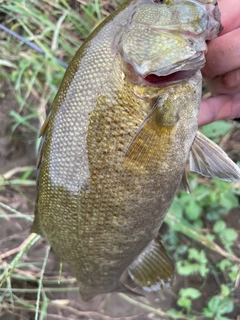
(154, 79)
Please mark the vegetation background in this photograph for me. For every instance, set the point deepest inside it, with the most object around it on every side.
(201, 231)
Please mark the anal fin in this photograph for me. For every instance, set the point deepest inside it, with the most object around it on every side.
(152, 270)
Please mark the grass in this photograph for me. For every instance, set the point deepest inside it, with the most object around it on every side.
(198, 237)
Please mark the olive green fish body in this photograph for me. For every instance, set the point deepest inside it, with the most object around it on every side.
(115, 143)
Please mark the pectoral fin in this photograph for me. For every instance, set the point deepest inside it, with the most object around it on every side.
(152, 270)
(153, 138)
(210, 160)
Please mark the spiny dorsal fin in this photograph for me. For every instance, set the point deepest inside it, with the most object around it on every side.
(208, 159)
(44, 126)
(40, 152)
(36, 228)
(42, 134)
(152, 270)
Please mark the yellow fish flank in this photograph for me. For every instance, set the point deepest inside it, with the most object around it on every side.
(117, 139)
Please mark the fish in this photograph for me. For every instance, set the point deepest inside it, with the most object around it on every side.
(116, 142)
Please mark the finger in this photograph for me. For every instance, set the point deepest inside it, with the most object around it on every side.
(218, 108)
(230, 13)
(223, 54)
(228, 83)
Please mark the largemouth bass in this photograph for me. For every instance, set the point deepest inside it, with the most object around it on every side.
(117, 139)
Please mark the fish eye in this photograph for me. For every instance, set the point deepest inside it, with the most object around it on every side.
(158, 1)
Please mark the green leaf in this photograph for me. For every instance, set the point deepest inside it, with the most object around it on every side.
(185, 268)
(203, 258)
(215, 129)
(210, 236)
(194, 254)
(225, 291)
(224, 264)
(176, 209)
(193, 210)
(202, 191)
(198, 224)
(226, 306)
(220, 305)
(182, 249)
(234, 273)
(190, 293)
(230, 235)
(185, 303)
(208, 313)
(174, 312)
(203, 270)
(221, 186)
(213, 304)
(219, 226)
(229, 200)
(172, 238)
(184, 198)
(215, 213)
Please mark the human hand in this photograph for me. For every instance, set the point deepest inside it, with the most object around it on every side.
(222, 69)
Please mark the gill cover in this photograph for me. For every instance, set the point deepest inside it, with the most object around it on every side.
(163, 37)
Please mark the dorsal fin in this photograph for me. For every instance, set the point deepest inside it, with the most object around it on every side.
(42, 134)
(36, 228)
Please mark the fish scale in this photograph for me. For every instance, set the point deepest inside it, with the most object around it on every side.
(115, 147)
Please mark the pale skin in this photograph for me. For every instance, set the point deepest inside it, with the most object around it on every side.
(222, 69)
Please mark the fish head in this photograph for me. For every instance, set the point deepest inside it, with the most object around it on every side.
(167, 38)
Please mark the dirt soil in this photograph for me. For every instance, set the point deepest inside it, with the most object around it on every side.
(17, 150)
